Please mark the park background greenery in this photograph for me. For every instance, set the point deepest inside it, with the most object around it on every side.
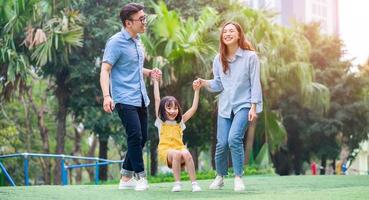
(315, 101)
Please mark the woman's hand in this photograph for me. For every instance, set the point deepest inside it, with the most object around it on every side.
(252, 113)
(200, 82)
(196, 85)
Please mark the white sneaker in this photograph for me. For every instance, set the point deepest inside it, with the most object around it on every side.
(238, 184)
(141, 184)
(125, 185)
(177, 187)
(217, 183)
(196, 187)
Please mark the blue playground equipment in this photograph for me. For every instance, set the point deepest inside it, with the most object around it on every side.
(96, 162)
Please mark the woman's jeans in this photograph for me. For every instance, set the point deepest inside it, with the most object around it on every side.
(230, 134)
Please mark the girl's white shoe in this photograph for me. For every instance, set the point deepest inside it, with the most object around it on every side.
(177, 187)
(195, 187)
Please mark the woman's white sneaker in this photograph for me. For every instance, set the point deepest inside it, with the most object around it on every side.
(238, 184)
(217, 183)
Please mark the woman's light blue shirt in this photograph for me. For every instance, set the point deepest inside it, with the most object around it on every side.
(126, 56)
(240, 86)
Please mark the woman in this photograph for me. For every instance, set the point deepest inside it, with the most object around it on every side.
(237, 77)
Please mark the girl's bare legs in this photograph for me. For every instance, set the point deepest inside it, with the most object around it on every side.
(175, 158)
(190, 166)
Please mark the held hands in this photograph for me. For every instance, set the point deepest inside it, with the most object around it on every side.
(197, 84)
(155, 74)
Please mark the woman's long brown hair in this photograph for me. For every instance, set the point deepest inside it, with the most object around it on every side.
(243, 43)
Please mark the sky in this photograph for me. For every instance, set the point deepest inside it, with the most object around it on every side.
(354, 28)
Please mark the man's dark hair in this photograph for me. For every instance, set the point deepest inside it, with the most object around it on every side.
(129, 10)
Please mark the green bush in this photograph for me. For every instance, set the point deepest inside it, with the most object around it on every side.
(203, 175)
(168, 177)
(248, 170)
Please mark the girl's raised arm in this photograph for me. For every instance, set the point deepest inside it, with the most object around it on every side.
(195, 104)
(156, 97)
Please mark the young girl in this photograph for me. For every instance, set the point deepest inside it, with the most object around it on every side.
(171, 123)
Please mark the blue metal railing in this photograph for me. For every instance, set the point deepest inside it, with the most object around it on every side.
(64, 168)
(7, 174)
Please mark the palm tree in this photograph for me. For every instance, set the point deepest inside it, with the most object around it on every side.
(15, 64)
(43, 50)
(19, 34)
(181, 48)
(64, 32)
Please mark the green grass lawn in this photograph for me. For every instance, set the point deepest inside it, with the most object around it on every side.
(257, 187)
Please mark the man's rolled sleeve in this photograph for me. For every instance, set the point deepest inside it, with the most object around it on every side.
(111, 52)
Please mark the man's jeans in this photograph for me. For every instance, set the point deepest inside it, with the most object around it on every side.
(134, 119)
(230, 134)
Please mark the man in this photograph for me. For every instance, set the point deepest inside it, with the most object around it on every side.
(122, 66)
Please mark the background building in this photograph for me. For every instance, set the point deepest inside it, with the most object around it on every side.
(324, 11)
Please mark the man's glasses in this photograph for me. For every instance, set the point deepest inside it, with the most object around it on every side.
(142, 19)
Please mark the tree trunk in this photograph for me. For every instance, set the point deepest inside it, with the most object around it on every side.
(91, 153)
(153, 155)
(28, 128)
(195, 155)
(297, 159)
(62, 94)
(297, 164)
(323, 165)
(103, 153)
(153, 139)
(281, 162)
(44, 132)
(295, 146)
(250, 135)
(78, 131)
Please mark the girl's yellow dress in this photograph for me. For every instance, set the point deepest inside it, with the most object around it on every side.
(170, 138)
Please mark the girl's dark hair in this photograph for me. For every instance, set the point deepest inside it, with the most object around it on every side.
(169, 100)
(243, 43)
(129, 10)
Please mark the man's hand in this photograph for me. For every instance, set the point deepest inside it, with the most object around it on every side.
(108, 104)
(196, 85)
(155, 74)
